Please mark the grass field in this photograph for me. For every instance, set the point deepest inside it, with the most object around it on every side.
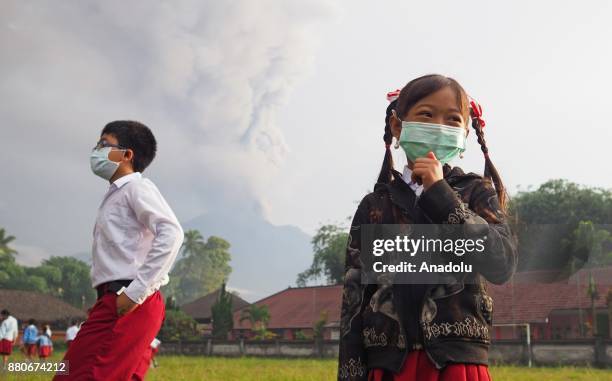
(255, 369)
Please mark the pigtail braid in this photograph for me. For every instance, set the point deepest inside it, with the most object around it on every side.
(490, 171)
(386, 170)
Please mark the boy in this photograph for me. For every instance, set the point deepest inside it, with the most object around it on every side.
(71, 332)
(30, 337)
(136, 240)
(9, 330)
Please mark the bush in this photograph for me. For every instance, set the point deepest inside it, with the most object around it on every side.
(178, 326)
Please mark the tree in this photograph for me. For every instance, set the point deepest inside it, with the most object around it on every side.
(67, 278)
(258, 316)
(192, 243)
(203, 267)
(593, 294)
(222, 316)
(329, 246)
(9, 270)
(545, 221)
(589, 244)
(319, 326)
(5, 250)
(318, 330)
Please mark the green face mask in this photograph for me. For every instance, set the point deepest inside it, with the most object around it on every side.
(446, 142)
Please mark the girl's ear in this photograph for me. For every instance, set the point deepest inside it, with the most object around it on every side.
(396, 125)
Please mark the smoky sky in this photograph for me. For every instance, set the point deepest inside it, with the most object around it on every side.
(207, 76)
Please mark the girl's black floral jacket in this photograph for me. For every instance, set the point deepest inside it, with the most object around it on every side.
(381, 323)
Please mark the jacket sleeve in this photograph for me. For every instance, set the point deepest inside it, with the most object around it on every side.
(481, 218)
(352, 359)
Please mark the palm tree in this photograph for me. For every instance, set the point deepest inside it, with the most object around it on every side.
(257, 316)
(193, 242)
(593, 294)
(5, 250)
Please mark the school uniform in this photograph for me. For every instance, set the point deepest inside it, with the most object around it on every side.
(433, 332)
(45, 346)
(30, 337)
(71, 333)
(9, 330)
(136, 239)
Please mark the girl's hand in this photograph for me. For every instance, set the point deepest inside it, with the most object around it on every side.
(427, 170)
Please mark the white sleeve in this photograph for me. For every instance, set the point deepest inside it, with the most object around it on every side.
(153, 212)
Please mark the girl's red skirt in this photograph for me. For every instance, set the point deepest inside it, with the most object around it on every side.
(45, 351)
(418, 367)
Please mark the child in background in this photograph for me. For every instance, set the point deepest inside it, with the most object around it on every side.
(148, 357)
(154, 349)
(47, 330)
(9, 330)
(45, 345)
(71, 332)
(30, 337)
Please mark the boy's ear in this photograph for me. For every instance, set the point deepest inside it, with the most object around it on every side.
(129, 155)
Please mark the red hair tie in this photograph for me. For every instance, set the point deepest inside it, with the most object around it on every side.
(476, 112)
(393, 95)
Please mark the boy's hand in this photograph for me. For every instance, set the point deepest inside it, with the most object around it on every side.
(124, 304)
(427, 170)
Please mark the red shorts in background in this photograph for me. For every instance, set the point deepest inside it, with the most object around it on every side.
(45, 351)
(30, 349)
(6, 347)
(109, 347)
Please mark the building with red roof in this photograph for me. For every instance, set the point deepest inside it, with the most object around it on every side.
(554, 306)
(295, 311)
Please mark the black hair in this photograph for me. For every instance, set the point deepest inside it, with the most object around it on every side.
(385, 175)
(5, 312)
(31, 321)
(137, 137)
(420, 88)
(73, 322)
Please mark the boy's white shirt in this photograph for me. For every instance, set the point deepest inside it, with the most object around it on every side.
(9, 329)
(136, 236)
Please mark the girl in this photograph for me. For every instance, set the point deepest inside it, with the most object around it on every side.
(429, 332)
(45, 345)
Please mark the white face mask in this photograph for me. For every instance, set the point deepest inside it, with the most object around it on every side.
(101, 165)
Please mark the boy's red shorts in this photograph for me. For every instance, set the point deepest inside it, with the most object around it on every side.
(45, 351)
(6, 347)
(30, 349)
(109, 347)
